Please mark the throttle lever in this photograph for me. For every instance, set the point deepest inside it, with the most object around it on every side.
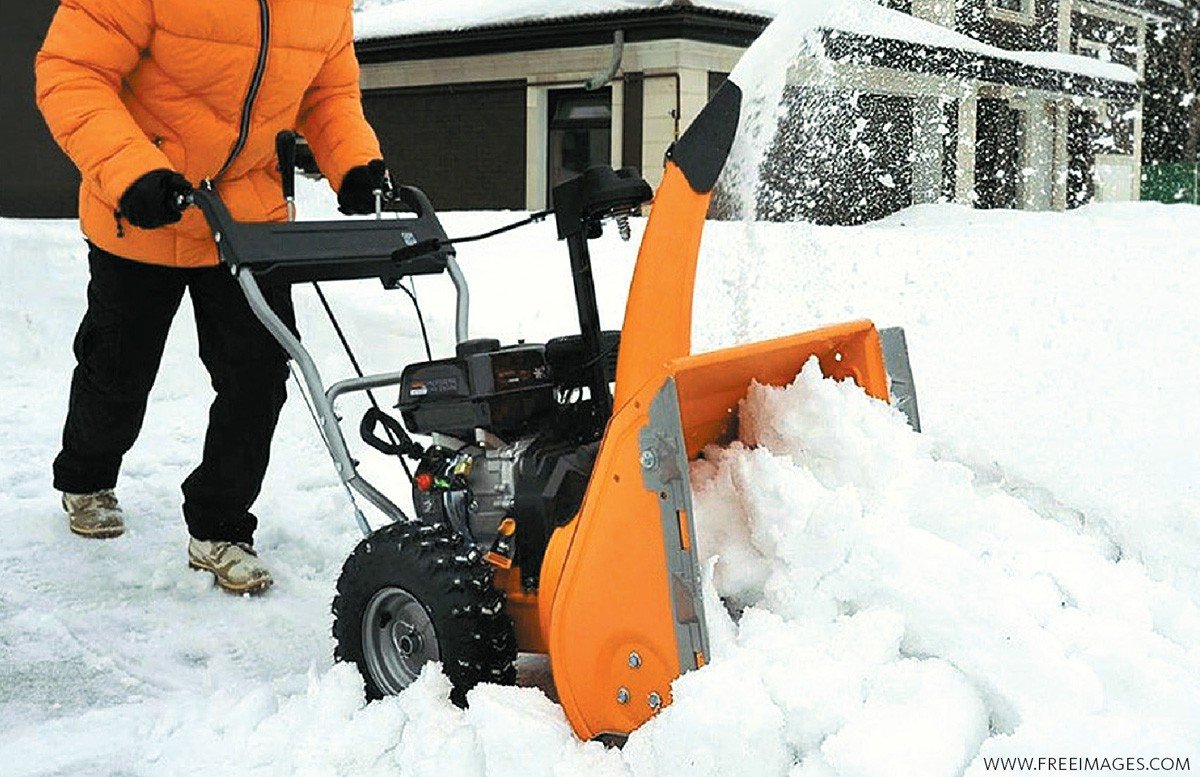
(285, 154)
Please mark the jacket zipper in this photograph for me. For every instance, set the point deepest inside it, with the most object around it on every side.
(264, 40)
(260, 67)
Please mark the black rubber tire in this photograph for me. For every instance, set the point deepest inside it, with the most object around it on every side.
(451, 581)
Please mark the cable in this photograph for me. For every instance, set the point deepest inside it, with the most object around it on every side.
(411, 291)
(436, 244)
(412, 294)
(535, 218)
(312, 413)
(337, 327)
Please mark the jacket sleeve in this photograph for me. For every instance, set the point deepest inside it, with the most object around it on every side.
(331, 113)
(91, 47)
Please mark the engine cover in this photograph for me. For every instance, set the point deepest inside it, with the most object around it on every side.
(504, 390)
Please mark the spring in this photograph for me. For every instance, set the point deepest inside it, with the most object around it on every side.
(624, 228)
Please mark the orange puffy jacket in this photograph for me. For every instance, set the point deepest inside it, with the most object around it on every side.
(201, 87)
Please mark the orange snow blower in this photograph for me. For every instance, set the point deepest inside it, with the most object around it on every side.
(553, 512)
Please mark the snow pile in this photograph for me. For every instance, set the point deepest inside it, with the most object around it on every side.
(387, 18)
(894, 617)
(899, 615)
(1049, 348)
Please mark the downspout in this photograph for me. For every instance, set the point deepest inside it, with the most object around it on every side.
(601, 79)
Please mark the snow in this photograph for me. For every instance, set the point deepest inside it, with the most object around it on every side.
(387, 18)
(982, 616)
(1022, 579)
(384, 18)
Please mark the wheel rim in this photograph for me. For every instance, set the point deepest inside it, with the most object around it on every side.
(398, 639)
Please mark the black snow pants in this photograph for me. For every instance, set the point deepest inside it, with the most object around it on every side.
(118, 350)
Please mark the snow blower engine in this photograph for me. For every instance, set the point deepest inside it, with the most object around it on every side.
(515, 430)
(553, 507)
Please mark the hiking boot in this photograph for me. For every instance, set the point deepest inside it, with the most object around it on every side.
(94, 515)
(235, 565)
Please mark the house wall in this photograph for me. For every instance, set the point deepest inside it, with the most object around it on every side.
(672, 88)
(1109, 33)
(1035, 28)
(843, 158)
(664, 84)
(1166, 117)
(462, 144)
(946, 112)
(942, 134)
(36, 178)
(937, 11)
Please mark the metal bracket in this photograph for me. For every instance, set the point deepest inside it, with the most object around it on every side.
(903, 388)
(665, 472)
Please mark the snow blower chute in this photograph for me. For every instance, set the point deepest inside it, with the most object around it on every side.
(553, 512)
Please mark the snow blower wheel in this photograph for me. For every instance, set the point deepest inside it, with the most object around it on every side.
(411, 594)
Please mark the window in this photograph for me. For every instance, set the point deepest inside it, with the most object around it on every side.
(1011, 10)
(580, 132)
(1100, 51)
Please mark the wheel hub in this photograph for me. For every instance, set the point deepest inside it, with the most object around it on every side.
(409, 642)
(398, 639)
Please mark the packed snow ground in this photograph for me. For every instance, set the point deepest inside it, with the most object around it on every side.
(1022, 579)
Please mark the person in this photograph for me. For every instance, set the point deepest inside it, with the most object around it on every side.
(148, 98)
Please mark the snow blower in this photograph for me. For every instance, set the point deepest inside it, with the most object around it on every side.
(552, 510)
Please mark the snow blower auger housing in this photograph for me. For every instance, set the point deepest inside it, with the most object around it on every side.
(553, 512)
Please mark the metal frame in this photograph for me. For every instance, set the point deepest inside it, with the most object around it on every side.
(323, 399)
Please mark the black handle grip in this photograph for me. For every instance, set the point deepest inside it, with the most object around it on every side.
(285, 153)
(414, 199)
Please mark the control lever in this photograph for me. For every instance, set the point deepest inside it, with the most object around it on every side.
(385, 194)
(285, 153)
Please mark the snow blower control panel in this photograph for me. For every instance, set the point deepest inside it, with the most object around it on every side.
(484, 386)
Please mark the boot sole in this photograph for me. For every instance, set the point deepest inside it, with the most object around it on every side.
(106, 533)
(256, 587)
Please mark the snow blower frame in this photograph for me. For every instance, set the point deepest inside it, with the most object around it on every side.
(554, 516)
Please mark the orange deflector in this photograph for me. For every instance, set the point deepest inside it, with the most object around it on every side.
(619, 602)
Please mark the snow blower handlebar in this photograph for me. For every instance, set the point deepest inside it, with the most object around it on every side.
(298, 252)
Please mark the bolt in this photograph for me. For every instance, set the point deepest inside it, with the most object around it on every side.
(622, 696)
(409, 644)
(623, 228)
(655, 700)
(634, 660)
(649, 460)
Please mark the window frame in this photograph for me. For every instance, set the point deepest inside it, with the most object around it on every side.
(1026, 16)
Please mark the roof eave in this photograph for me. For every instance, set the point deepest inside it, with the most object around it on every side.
(671, 22)
(970, 66)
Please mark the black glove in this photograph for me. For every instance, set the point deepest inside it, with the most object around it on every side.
(357, 195)
(152, 201)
